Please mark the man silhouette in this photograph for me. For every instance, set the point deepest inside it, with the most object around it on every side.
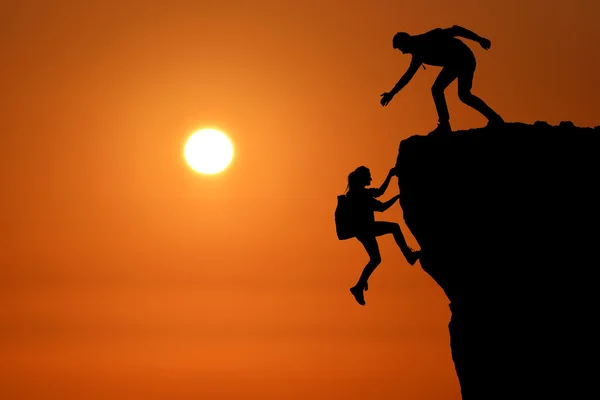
(440, 47)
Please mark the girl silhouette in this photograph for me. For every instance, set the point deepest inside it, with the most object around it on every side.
(364, 203)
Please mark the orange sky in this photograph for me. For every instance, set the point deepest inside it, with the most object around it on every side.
(125, 275)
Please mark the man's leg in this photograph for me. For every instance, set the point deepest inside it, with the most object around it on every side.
(444, 79)
(465, 83)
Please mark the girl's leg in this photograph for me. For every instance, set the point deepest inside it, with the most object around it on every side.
(384, 227)
(372, 248)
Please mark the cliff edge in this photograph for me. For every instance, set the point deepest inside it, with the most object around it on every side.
(507, 220)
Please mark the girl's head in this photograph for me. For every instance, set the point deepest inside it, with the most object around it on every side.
(359, 178)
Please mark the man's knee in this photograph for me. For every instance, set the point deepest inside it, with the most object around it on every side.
(437, 90)
(375, 260)
(464, 95)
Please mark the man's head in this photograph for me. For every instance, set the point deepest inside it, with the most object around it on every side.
(401, 42)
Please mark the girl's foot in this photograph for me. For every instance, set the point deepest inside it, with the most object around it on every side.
(357, 292)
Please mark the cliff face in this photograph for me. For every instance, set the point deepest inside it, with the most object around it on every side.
(508, 225)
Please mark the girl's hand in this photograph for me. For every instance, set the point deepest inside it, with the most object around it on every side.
(392, 172)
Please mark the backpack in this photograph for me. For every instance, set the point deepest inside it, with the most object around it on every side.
(343, 218)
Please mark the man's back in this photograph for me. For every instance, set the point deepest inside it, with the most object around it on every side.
(439, 47)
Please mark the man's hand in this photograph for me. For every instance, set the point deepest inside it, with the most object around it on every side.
(386, 98)
(485, 43)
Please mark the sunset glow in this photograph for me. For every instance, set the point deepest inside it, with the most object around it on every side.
(170, 173)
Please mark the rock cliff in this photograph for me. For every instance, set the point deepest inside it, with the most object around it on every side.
(507, 220)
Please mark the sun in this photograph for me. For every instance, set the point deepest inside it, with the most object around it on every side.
(208, 151)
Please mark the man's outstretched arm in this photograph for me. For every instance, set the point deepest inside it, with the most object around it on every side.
(457, 30)
(404, 80)
(408, 75)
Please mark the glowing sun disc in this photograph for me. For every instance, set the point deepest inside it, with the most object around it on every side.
(208, 151)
